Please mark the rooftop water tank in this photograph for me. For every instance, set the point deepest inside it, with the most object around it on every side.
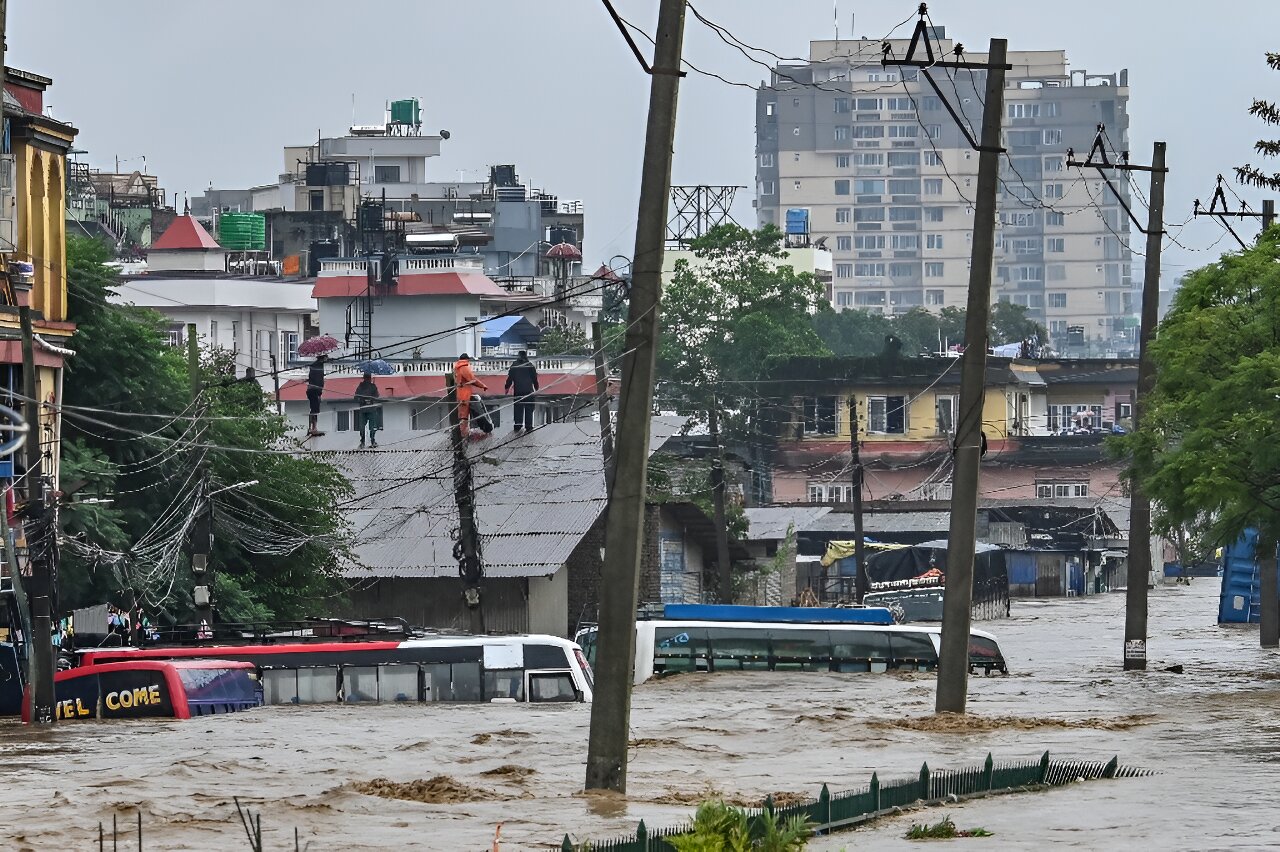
(406, 112)
(242, 231)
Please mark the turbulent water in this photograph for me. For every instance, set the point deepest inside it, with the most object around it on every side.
(452, 773)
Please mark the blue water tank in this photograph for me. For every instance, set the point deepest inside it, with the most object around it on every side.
(797, 221)
(1241, 585)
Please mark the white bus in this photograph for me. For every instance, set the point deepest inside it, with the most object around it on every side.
(666, 646)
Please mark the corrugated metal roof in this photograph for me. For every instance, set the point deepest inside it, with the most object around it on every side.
(883, 522)
(536, 496)
(770, 523)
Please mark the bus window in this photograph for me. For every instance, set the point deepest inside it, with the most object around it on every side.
(398, 683)
(546, 657)
(675, 648)
(359, 683)
(859, 650)
(551, 686)
(913, 651)
(738, 648)
(985, 654)
(280, 686)
(318, 685)
(214, 689)
(803, 650)
(587, 641)
(504, 683)
(456, 682)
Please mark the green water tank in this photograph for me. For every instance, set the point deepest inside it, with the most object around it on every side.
(242, 231)
(406, 112)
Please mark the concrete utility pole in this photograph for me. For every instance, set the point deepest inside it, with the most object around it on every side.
(861, 584)
(39, 533)
(1135, 613)
(957, 602)
(619, 587)
(724, 565)
(602, 405)
(202, 529)
(467, 548)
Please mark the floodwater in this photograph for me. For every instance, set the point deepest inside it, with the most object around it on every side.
(1211, 732)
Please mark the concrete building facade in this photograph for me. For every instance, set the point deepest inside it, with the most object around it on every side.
(888, 177)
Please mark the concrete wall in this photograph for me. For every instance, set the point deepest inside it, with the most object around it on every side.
(402, 318)
(549, 604)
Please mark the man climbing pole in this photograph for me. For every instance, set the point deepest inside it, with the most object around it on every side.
(315, 389)
(466, 381)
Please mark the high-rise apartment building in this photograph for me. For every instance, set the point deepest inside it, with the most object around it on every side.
(888, 178)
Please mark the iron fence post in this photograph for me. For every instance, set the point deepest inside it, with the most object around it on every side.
(642, 836)
(875, 793)
(1044, 767)
(988, 772)
(1109, 771)
(824, 806)
(924, 781)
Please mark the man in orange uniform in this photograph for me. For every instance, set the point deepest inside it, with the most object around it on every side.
(465, 380)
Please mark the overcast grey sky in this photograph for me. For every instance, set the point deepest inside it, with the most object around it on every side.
(211, 92)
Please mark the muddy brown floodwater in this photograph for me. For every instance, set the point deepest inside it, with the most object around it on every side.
(442, 777)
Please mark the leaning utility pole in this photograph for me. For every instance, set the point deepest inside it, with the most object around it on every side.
(860, 581)
(202, 528)
(467, 548)
(957, 603)
(602, 405)
(39, 533)
(724, 565)
(1139, 568)
(624, 530)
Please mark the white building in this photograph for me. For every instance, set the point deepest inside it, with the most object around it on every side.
(260, 319)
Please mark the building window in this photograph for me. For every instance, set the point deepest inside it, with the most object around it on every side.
(820, 415)
(177, 335)
(386, 174)
(1052, 137)
(317, 199)
(1057, 328)
(829, 492)
(868, 270)
(933, 214)
(768, 187)
(904, 186)
(844, 270)
(945, 405)
(840, 104)
(933, 269)
(887, 415)
(1054, 164)
(1075, 417)
(844, 243)
(1053, 190)
(1054, 217)
(1049, 489)
(870, 104)
(933, 130)
(866, 187)
(868, 158)
(842, 215)
(770, 108)
(767, 161)
(904, 242)
(1051, 109)
(868, 214)
(869, 242)
(842, 132)
(1023, 110)
(1057, 300)
(266, 346)
(235, 336)
(932, 158)
(1019, 219)
(933, 241)
(344, 420)
(868, 131)
(1055, 245)
(842, 187)
(844, 298)
(904, 131)
(290, 347)
(902, 270)
(904, 214)
(934, 297)
(213, 332)
(842, 161)
(932, 186)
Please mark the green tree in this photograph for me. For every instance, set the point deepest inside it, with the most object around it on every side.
(860, 333)
(565, 340)
(1270, 115)
(1009, 324)
(133, 438)
(1206, 450)
(724, 315)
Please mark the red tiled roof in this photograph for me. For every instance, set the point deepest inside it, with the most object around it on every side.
(185, 233)
(410, 284)
(343, 388)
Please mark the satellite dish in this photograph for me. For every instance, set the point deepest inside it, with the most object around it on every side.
(444, 134)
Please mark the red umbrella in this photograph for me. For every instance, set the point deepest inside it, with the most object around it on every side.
(318, 345)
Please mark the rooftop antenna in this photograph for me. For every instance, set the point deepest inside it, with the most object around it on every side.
(835, 16)
(353, 109)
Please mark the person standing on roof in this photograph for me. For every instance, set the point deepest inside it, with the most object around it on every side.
(315, 389)
(522, 378)
(465, 382)
(368, 410)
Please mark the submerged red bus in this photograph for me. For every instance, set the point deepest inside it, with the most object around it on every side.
(165, 689)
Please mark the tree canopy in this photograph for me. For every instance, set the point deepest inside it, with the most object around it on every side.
(1270, 115)
(134, 440)
(1207, 449)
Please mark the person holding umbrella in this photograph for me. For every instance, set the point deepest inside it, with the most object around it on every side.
(368, 410)
(315, 389)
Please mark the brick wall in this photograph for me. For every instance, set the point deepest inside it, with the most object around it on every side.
(584, 566)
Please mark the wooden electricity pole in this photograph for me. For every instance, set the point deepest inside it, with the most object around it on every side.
(1139, 568)
(39, 533)
(602, 405)
(957, 604)
(624, 530)
(724, 564)
(467, 548)
(860, 582)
